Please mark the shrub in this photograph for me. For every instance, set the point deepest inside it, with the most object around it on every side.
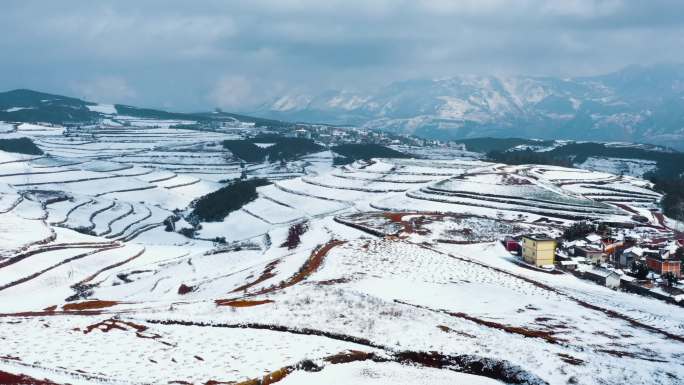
(294, 235)
(639, 270)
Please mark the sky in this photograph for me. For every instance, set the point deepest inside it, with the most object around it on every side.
(201, 54)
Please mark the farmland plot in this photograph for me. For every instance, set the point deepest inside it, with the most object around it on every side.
(387, 271)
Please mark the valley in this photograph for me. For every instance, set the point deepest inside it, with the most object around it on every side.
(388, 269)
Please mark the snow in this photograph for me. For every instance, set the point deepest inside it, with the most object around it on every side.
(631, 167)
(264, 145)
(433, 283)
(108, 109)
(6, 127)
(387, 373)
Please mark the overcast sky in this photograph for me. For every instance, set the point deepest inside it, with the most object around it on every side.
(196, 55)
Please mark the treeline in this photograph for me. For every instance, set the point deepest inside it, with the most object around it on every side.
(282, 148)
(673, 189)
(20, 145)
(529, 157)
(215, 206)
(581, 229)
(352, 152)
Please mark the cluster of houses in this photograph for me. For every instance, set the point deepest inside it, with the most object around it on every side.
(609, 260)
(333, 135)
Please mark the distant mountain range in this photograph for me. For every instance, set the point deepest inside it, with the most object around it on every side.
(638, 104)
(32, 106)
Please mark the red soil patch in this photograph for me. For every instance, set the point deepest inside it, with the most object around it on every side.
(447, 329)
(21, 379)
(241, 303)
(309, 267)
(313, 263)
(266, 274)
(350, 356)
(89, 305)
(309, 366)
(399, 218)
(111, 324)
(114, 324)
(268, 379)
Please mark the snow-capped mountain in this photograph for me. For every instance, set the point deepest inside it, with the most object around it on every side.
(636, 104)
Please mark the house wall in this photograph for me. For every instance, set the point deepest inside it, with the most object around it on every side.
(654, 265)
(662, 267)
(613, 281)
(671, 266)
(539, 253)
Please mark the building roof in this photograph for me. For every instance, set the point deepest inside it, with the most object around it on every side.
(593, 237)
(627, 278)
(538, 237)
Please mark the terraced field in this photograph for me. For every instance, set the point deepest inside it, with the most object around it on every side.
(388, 270)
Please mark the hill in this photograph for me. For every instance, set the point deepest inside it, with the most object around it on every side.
(29, 106)
(638, 104)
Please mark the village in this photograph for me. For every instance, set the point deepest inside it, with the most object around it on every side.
(620, 258)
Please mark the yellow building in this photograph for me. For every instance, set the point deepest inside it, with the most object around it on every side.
(538, 250)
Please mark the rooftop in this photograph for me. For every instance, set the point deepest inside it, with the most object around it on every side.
(538, 237)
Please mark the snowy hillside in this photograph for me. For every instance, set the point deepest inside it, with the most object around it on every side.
(642, 104)
(389, 271)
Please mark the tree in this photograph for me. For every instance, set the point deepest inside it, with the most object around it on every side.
(670, 278)
(679, 253)
(639, 270)
(294, 234)
(578, 230)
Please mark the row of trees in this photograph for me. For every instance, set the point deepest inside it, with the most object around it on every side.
(529, 157)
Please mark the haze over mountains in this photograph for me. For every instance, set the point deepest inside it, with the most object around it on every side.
(638, 103)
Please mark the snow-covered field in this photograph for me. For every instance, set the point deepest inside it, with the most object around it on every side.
(398, 277)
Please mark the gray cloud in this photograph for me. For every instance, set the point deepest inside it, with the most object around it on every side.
(196, 55)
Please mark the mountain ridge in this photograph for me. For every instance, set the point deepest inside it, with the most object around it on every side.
(634, 104)
(30, 106)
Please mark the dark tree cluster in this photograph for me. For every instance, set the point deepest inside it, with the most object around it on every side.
(282, 149)
(529, 157)
(639, 270)
(352, 152)
(294, 235)
(670, 278)
(673, 199)
(214, 206)
(20, 145)
(578, 230)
